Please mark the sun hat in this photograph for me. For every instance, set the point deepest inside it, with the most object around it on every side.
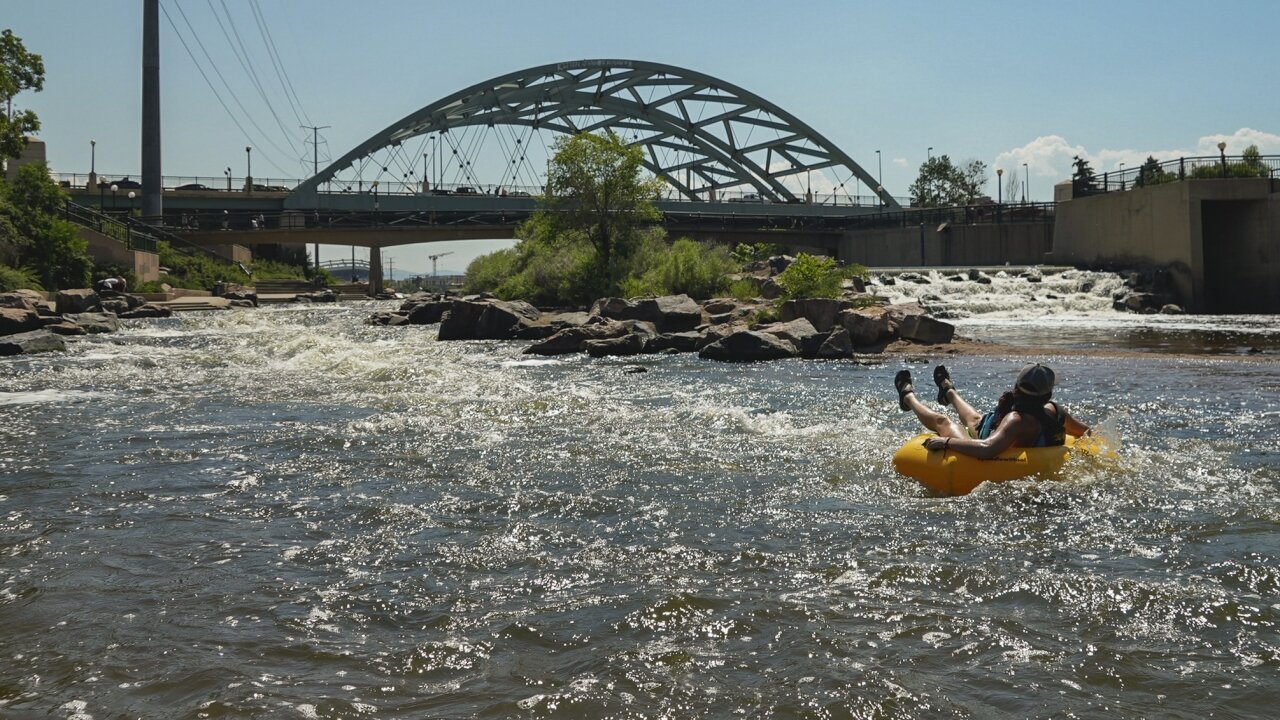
(1035, 380)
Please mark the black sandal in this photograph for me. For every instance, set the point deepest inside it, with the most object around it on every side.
(902, 383)
(942, 379)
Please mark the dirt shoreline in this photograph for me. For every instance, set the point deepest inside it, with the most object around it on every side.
(962, 347)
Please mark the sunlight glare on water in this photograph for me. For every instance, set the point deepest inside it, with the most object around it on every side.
(288, 511)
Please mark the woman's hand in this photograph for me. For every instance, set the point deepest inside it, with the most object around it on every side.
(937, 443)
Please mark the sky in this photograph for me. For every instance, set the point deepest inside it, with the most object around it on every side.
(1007, 83)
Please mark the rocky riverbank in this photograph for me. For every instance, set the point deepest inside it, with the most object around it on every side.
(29, 323)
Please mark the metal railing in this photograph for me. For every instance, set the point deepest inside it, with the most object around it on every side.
(412, 186)
(1205, 167)
(124, 229)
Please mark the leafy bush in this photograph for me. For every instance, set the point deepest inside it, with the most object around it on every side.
(744, 253)
(744, 290)
(811, 277)
(18, 279)
(699, 270)
(487, 272)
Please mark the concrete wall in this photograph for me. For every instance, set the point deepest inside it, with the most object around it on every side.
(108, 251)
(1211, 234)
(952, 245)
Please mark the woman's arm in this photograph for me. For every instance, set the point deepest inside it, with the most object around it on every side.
(999, 441)
(1074, 427)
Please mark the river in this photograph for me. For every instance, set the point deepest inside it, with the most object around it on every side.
(289, 513)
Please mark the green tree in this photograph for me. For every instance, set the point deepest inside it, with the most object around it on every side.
(595, 190)
(19, 70)
(45, 242)
(1083, 179)
(944, 184)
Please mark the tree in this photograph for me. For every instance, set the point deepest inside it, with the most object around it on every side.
(595, 189)
(19, 70)
(1083, 180)
(46, 243)
(943, 184)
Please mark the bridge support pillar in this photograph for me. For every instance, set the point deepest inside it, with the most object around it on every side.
(375, 271)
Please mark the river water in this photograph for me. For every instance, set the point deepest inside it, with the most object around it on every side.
(289, 513)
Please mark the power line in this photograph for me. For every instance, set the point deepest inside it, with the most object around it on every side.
(245, 62)
(211, 86)
(221, 77)
(315, 145)
(286, 83)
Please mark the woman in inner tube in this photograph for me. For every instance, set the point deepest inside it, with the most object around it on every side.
(1025, 417)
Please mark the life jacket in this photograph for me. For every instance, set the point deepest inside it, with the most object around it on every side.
(1052, 431)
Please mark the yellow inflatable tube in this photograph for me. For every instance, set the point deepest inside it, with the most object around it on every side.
(954, 473)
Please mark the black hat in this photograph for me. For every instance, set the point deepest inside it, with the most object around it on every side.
(1035, 380)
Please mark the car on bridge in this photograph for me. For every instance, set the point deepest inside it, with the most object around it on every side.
(125, 183)
(192, 186)
(465, 190)
(748, 198)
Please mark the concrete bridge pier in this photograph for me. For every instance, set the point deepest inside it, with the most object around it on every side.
(375, 271)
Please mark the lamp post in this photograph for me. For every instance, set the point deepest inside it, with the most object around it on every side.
(114, 188)
(1121, 176)
(227, 172)
(132, 195)
(1222, 151)
(93, 154)
(426, 184)
(1026, 182)
(999, 192)
(930, 153)
(879, 175)
(248, 167)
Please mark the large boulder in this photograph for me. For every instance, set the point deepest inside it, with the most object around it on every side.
(629, 344)
(688, 341)
(94, 323)
(115, 304)
(22, 299)
(77, 301)
(866, 326)
(669, 313)
(486, 319)
(244, 295)
(749, 346)
(927, 330)
(147, 310)
(821, 312)
(799, 332)
(31, 342)
(426, 313)
(836, 346)
(551, 323)
(15, 320)
(64, 328)
(574, 339)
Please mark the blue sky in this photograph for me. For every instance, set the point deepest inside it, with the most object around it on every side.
(1004, 82)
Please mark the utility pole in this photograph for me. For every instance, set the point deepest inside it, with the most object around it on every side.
(315, 170)
(315, 145)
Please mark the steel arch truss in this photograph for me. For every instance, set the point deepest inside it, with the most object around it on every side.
(699, 134)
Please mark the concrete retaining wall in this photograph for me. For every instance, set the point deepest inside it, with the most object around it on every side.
(109, 251)
(952, 245)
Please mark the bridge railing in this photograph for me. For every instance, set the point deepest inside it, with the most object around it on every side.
(1205, 167)
(981, 214)
(123, 229)
(838, 197)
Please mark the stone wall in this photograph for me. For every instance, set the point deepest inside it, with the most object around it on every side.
(109, 251)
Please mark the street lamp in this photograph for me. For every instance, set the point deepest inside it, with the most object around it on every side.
(93, 156)
(132, 195)
(426, 184)
(1121, 176)
(1222, 150)
(248, 166)
(930, 152)
(879, 174)
(1026, 182)
(999, 191)
(114, 188)
(227, 172)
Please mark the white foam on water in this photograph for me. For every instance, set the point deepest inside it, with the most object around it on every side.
(48, 397)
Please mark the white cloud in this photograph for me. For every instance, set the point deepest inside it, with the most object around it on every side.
(900, 162)
(1049, 157)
